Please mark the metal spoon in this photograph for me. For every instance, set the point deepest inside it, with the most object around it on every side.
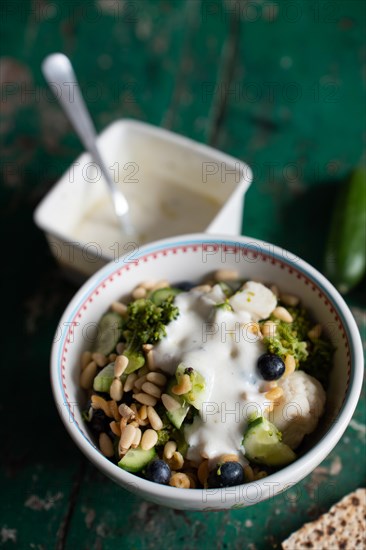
(57, 70)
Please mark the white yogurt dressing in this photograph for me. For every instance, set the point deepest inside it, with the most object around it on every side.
(219, 345)
(158, 209)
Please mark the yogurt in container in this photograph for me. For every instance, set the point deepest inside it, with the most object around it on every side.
(173, 185)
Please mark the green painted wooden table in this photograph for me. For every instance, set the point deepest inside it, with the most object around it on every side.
(278, 84)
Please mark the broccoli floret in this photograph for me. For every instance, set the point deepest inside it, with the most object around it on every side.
(146, 321)
(286, 341)
(163, 436)
(314, 356)
(319, 361)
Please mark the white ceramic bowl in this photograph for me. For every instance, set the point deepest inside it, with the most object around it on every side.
(190, 257)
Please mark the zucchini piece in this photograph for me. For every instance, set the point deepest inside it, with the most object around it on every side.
(109, 333)
(262, 444)
(162, 294)
(177, 417)
(345, 257)
(104, 378)
(135, 460)
(136, 360)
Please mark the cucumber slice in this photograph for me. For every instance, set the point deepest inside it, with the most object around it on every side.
(109, 333)
(136, 360)
(262, 444)
(135, 460)
(103, 380)
(162, 294)
(177, 417)
(195, 396)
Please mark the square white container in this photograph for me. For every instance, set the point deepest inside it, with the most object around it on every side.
(128, 146)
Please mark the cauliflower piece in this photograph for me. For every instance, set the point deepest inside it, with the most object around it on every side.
(299, 410)
(255, 298)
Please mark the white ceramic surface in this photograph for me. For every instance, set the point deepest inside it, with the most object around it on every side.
(138, 152)
(189, 258)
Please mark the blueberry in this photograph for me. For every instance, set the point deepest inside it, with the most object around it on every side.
(271, 366)
(99, 422)
(158, 471)
(185, 285)
(226, 475)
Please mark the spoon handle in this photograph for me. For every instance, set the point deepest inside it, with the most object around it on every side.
(61, 78)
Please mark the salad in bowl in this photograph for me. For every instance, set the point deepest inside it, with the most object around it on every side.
(205, 384)
(230, 368)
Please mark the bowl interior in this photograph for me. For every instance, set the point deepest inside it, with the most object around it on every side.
(191, 258)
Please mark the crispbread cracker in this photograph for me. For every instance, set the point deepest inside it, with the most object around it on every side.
(343, 527)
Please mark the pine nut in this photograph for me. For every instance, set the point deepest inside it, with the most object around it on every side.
(269, 329)
(149, 285)
(169, 402)
(112, 357)
(133, 408)
(226, 275)
(254, 328)
(179, 480)
(270, 407)
(151, 389)
(139, 292)
(86, 357)
(149, 439)
(135, 423)
(142, 412)
(119, 307)
(120, 348)
(229, 458)
(289, 300)
(99, 403)
(116, 390)
(192, 480)
(290, 365)
(154, 418)
(130, 381)
(113, 407)
(157, 378)
(169, 448)
(282, 314)
(161, 284)
(202, 288)
(147, 347)
(202, 472)
(315, 332)
(143, 423)
(145, 399)
(136, 440)
(116, 428)
(248, 473)
(100, 359)
(106, 445)
(88, 375)
(126, 412)
(275, 394)
(177, 461)
(150, 360)
(127, 437)
(184, 385)
(139, 382)
(120, 365)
